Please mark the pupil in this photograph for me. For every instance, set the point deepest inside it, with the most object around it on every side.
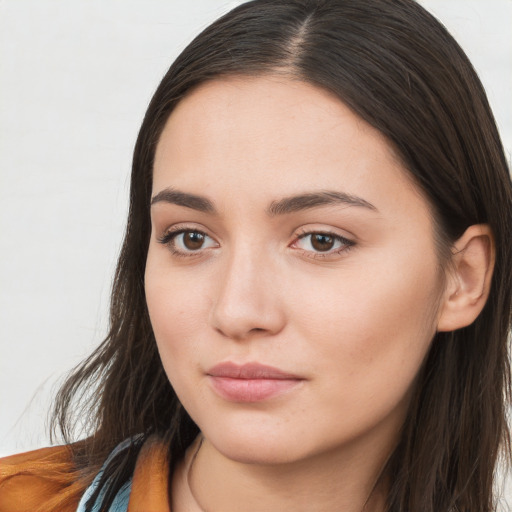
(322, 242)
(193, 240)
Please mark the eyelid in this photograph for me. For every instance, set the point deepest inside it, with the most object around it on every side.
(184, 227)
(171, 233)
(347, 243)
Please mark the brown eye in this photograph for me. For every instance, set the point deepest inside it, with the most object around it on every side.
(322, 242)
(193, 240)
(187, 242)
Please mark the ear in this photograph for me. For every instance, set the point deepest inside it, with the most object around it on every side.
(469, 278)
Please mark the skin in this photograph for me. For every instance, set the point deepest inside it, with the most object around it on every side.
(354, 324)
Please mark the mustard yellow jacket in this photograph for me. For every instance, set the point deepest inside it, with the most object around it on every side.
(45, 481)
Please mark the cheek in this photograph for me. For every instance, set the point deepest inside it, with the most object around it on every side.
(177, 309)
(371, 331)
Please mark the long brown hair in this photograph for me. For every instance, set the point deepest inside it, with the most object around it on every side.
(398, 68)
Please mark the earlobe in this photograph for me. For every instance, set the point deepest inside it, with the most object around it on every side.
(469, 278)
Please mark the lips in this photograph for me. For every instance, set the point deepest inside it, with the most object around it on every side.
(251, 382)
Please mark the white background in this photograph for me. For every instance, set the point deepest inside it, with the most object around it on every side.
(75, 80)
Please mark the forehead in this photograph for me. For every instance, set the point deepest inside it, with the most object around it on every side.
(254, 109)
(274, 135)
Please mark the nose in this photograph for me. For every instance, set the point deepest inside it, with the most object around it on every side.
(248, 301)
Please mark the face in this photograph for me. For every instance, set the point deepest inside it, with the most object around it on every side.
(292, 279)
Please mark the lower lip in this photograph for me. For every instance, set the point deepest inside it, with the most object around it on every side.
(251, 390)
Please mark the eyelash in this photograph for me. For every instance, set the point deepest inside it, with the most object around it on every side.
(346, 244)
(169, 236)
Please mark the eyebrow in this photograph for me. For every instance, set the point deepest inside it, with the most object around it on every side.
(170, 195)
(314, 199)
(281, 207)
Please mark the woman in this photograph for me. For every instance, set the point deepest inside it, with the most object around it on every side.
(312, 303)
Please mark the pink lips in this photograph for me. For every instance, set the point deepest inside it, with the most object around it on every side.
(251, 382)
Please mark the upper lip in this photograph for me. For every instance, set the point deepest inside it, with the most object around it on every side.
(249, 371)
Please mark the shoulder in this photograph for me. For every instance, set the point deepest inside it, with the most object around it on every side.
(43, 479)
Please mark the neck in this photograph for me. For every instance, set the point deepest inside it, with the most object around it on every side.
(338, 480)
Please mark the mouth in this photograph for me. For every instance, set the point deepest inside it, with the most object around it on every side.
(251, 382)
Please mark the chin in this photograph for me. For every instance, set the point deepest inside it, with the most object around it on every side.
(272, 444)
(258, 453)
(255, 445)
